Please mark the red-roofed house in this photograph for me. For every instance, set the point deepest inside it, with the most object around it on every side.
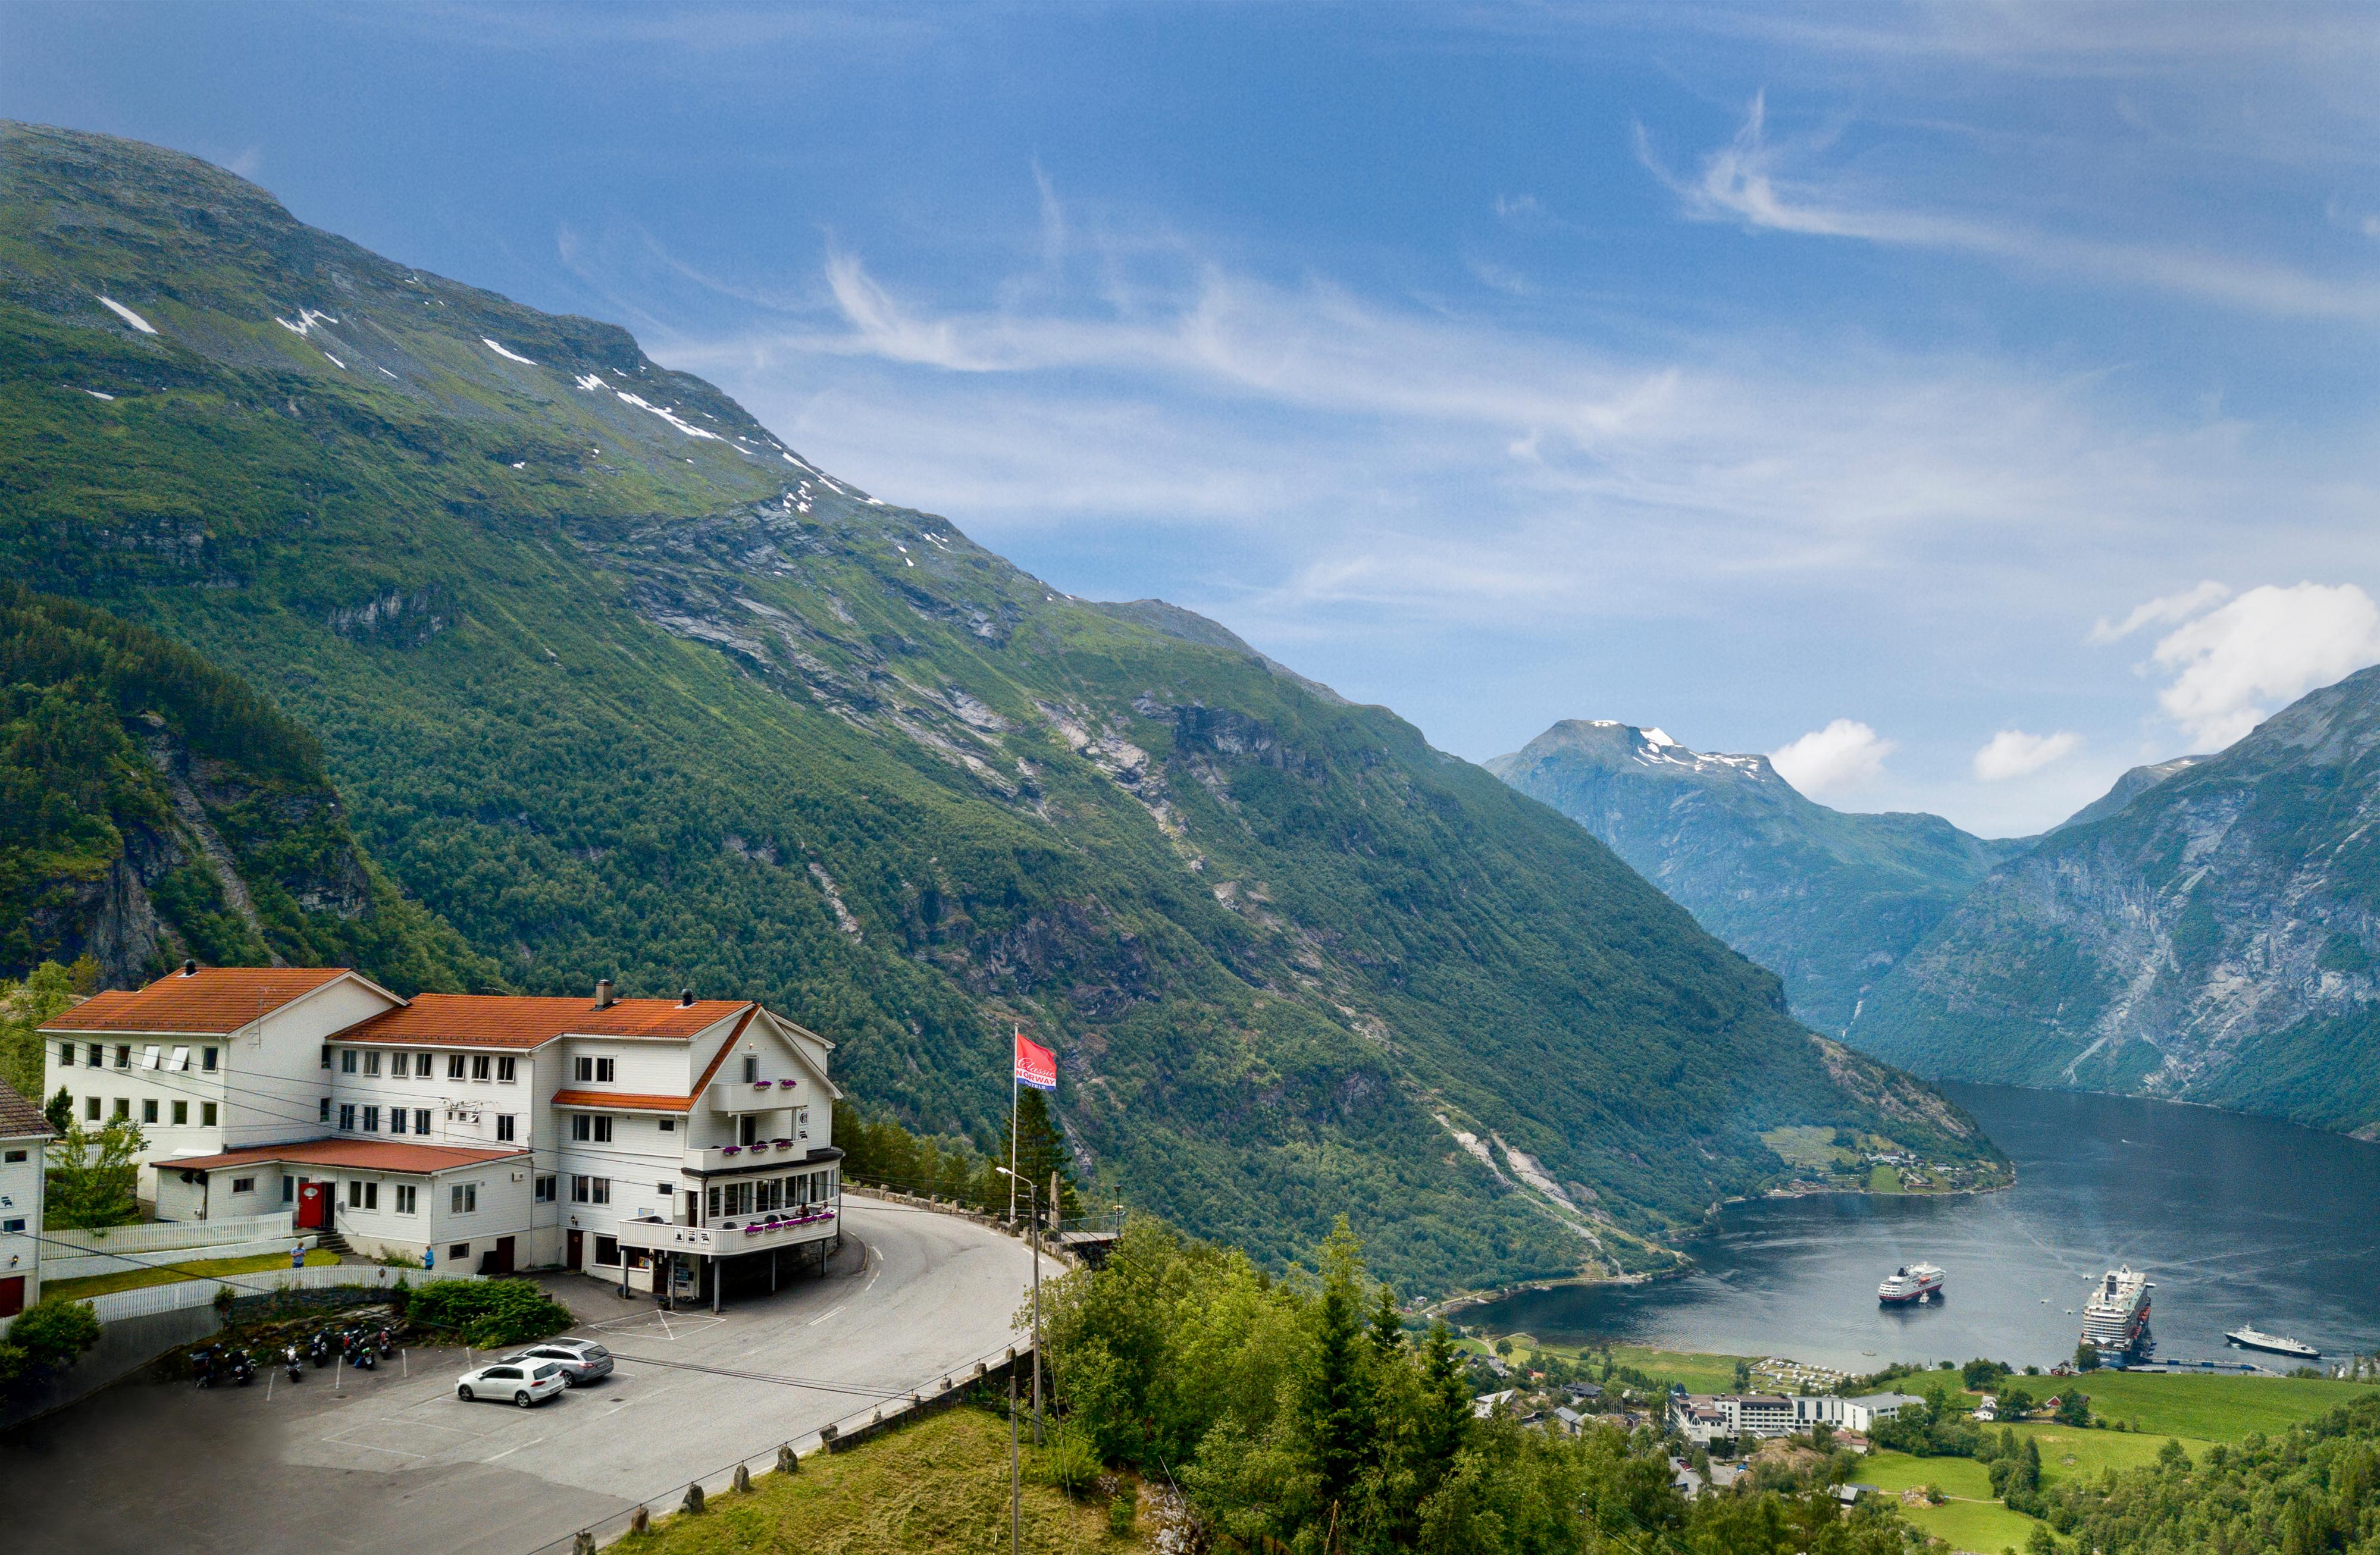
(639, 1139)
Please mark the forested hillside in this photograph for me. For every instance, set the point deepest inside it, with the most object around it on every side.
(2212, 937)
(154, 807)
(619, 685)
(1829, 900)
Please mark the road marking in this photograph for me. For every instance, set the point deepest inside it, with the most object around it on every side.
(510, 1451)
(821, 1318)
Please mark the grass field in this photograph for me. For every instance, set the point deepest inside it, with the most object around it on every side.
(1699, 1373)
(1983, 1527)
(939, 1485)
(171, 1273)
(2067, 1454)
(2209, 1409)
(1897, 1472)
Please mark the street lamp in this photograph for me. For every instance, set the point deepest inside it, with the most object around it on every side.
(1033, 1239)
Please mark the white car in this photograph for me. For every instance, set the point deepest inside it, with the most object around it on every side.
(581, 1360)
(522, 1382)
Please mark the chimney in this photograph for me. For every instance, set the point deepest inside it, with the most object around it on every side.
(685, 997)
(602, 993)
(190, 968)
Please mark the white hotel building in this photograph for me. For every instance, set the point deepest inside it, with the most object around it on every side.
(641, 1140)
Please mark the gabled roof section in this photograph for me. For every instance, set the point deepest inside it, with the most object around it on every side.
(208, 1002)
(357, 1155)
(493, 1020)
(20, 1119)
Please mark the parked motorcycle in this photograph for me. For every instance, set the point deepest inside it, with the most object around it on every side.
(319, 1347)
(295, 1364)
(387, 1344)
(202, 1366)
(243, 1369)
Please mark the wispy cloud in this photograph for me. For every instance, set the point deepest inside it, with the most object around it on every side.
(2237, 663)
(2161, 611)
(1749, 181)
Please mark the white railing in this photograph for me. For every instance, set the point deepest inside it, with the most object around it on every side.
(752, 1096)
(150, 1235)
(83, 1266)
(755, 1235)
(183, 1293)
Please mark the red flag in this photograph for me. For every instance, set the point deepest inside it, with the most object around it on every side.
(1036, 1065)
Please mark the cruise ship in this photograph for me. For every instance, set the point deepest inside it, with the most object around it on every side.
(2116, 1316)
(2249, 1338)
(1911, 1282)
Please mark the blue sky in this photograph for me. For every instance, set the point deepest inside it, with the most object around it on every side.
(1968, 402)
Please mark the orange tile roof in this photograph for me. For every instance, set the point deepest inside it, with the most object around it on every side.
(488, 1020)
(212, 1001)
(622, 1101)
(355, 1155)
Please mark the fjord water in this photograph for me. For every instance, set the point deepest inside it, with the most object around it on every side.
(2236, 1218)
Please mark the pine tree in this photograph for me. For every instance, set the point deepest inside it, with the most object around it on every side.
(1040, 1150)
(1338, 1423)
(1388, 1325)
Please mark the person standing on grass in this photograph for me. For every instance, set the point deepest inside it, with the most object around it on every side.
(297, 1254)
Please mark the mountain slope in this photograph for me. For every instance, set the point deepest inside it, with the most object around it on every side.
(1829, 900)
(2211, 940)
(617, 684)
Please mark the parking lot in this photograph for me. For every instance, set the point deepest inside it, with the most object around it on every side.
(392, 1460)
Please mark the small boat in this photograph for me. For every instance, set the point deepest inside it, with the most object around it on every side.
(1911, 1283)
(2249, 1338)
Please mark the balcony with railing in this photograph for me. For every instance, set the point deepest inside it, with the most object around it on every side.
(733, 1233)
(757, 1156)
(752, 1096)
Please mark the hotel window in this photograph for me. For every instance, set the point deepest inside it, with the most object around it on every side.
(66, 1055)
(206, 1114)
(243, 1184)
(288, 1190)
(90, 1108)
(397, 1120)
(14, 1158)
(371, 1064)
(667, 1190)
(124, 1055)
(713, 1201)
(347, 1061)
(362, 1195)
(421, 1065)
(504, 1124)
(457, 1252)
(454, 1066)
(181, 1114)
(479, 1066)
(14, 1225)
(595, 1071)
(148, 1109)
(181, 1064)
(346, 1117)
(327, 1109)
(747, 1130)
(607, 1250)
(372, 1120)
(207, 1060)
(326, 1055)
(667, 1125)
(422, 1120)
(591, 1127)
(463, 1198)
(545, 1190)
(94, 1055)
(148, 1056)
(123, 1109)
(751, 1066)
(505, 1070)
(405, 1198)
(590, 1190)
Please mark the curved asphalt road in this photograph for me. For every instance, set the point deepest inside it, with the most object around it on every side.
(394, 1462)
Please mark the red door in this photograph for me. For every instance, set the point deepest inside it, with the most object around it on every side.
(313, 1205)
(12, 1295)
(578, 1249)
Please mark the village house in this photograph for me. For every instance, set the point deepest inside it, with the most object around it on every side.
(1703, 1418)
(23, 1137)
(647, 1142)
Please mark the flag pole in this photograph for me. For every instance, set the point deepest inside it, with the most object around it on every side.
(1015, 1039)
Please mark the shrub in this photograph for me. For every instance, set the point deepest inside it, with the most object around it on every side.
(1124, 1508)
(1069, 1462)
(486, 1314)
(54, 1332)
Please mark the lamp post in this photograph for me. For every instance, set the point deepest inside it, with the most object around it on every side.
(1033, 1239)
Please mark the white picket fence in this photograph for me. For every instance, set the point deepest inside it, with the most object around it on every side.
(86, 1265)
(159, 1235)
(200, 1292)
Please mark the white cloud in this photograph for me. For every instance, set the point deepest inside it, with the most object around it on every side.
(2235, 664)
(1744, 181)
(2013, 753)
(2161, 611)
(1843, 756)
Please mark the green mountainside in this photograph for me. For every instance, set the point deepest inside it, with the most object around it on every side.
(154, 807)
(616, 683)
(1828, 900)
(2214, 939)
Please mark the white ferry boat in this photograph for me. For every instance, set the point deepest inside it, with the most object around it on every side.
(2118, 1313)
(2249, 1338)
(1911, 1283)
